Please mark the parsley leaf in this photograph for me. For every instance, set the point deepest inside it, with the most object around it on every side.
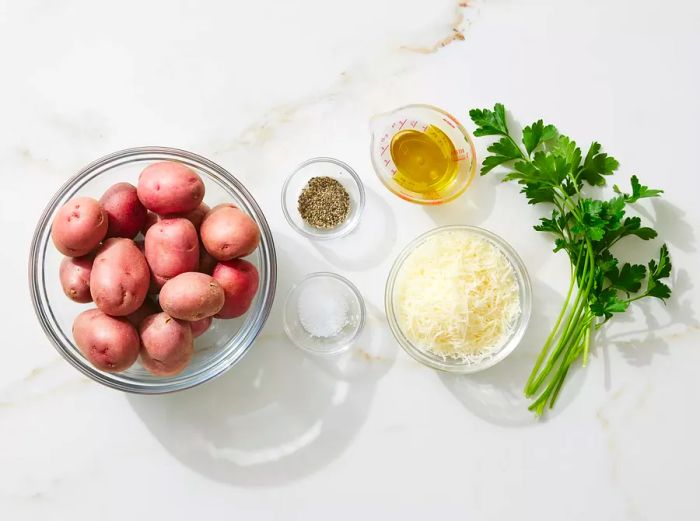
(490, 122)
(552, 169)
(639, 191)
(555, 225)
(596, 165)
(607, 263)
(566, 148)
(658, 271)
(629, 278)
(536, 134)
(591, 224)
(502, 151)
(607, 303)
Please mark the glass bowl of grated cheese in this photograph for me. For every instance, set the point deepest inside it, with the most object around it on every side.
(458, 299)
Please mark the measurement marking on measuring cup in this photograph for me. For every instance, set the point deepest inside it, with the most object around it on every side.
(448, 122)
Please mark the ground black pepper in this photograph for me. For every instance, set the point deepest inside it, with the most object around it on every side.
(324, 203)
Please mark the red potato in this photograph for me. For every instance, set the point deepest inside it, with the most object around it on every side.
(120, 277)
(168, 187)
(74, 274)
(199, 327)
(172, 247)
(166, 344)
(206, 261)
(227, 232)
(79, 227)
(110, 344)
(196, 217)
(126, 215)
(239, 279)
(191, 296)
(151, 219)
(147, 308)
(153, 287)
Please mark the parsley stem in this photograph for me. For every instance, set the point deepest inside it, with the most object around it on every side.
(573, 325)
(516, 145)
(640, 296)
(555, 392)
(554, 332)
(586, 345)
(574, 352)
(570, 326)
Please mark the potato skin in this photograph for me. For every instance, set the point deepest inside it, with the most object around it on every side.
(74, 274)
(191, 296)
(151, 219)
(126, 215)
(166, 344)
(227, 232)
(199, 327)
(109, 343)
(206, 261)
(79, 227)
(168, 187)
(172, 248)
(147, 308)
(197, 215)
(120, 277)
(240, 280)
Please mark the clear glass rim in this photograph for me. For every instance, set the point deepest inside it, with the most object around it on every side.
(345, 229)
(360, 325)
(407, 197)
(455, 366)
(232, 352)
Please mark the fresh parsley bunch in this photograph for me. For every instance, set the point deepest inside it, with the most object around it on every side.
(552, 170)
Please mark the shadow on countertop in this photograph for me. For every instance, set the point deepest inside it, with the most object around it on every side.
(496, 394)
(640, 346)
(277, 415)
(369, 244)
(473, 207)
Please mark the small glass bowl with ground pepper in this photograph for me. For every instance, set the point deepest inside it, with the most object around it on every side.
(323, 198)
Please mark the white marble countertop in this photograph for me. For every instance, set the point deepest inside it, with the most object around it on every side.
(260, 86)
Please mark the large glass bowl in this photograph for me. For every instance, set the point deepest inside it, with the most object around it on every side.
(453, 365)
(215, 351)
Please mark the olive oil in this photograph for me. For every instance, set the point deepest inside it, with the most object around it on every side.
(426, 161)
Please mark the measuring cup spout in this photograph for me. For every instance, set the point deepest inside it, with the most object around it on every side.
(379, 121)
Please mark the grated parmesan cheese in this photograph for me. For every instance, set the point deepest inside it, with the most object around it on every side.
(457, 296)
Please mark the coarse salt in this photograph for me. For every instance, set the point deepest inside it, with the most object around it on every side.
(323, 311)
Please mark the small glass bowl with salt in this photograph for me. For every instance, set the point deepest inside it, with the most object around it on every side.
(324, 314)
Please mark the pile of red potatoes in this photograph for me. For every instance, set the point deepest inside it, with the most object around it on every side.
(154, 295)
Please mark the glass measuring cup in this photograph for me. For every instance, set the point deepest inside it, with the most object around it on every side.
(447, 136)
